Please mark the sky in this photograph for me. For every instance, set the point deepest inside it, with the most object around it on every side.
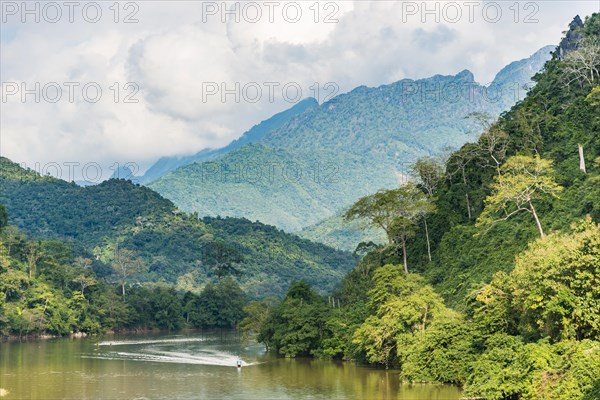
(88, 86)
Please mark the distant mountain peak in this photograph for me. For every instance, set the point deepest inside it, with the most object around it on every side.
(465, 75)
(523, 70)
(124, 172)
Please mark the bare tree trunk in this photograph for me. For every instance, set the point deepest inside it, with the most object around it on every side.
(468, 206)
(537, 220)
(123, 288)
(427, 237)
(581, 159)
(404, 253)
(466, 193)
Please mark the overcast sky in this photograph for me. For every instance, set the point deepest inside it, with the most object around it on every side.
(174, 58)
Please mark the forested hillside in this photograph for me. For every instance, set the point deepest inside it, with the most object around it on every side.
(174, 247)
(490, 274)
(48, 287)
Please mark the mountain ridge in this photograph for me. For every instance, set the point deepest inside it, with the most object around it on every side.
(367, 138)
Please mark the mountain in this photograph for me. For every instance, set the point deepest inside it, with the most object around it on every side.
(167, 164)
(118, 214)
(326, 157)
(124, 172)
(523, 70)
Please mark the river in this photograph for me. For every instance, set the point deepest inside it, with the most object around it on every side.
(188, 366)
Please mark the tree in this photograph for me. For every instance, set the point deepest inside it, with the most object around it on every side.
(493, 142)
(257, 315)
(430, 175)
(583, 65)
(84, 277)
(125, 264)
(296, 325)
(33, 254)
(10, 237)
(403, 228)
(523, 179)
(458, 163)
(222, 257)
(378, 209)
(395, 211)
(594, 96)
(402, 305)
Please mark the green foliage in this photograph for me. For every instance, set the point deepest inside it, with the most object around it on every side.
(509, 368)
(257, 315)
(3, 217)
(219, 305)
(295, 327)
(429, 172)
(66, 296)
(442, 353)
(521, 180)
(395, 211)
(402, 305)
(222, 258)
(171, 247)
(550, 123)
(554, 287)
(386, 208)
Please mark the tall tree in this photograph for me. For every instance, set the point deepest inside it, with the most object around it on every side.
(33, 254)
(430, 174)
(522, 180)
(403, 228)
(458, 163)
(125, 264)
(83, 275)
(395, 211)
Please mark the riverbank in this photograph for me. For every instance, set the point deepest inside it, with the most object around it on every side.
(115, 332)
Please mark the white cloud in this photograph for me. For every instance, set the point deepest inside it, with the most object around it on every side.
(176, 50)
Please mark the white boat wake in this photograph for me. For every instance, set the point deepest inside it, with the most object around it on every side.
(149, 341)
(155, 353)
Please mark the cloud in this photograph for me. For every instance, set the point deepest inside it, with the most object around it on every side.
(440, 36)
(176, 53)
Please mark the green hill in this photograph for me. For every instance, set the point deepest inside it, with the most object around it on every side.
(120, 214)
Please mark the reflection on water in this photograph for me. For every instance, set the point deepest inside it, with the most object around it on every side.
(189, 367)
